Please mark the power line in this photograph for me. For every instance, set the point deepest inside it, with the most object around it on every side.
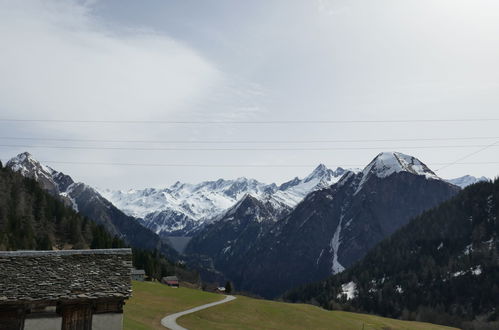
(250, 141)
(232, 165)
(247, 122)
(239, 149)
(469, 155)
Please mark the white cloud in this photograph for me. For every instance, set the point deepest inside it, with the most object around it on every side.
(58, 61)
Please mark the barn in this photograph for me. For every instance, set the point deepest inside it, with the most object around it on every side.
(68, 290)
(170, 281)
(138, 274)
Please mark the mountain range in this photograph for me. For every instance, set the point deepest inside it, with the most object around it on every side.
(442, 267)
(183, 208)
(245, 229)
(269, 238)
(328, 231)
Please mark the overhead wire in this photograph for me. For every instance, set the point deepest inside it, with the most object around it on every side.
(249, 141)
(247, 122)
(231, 165)
(239, 149)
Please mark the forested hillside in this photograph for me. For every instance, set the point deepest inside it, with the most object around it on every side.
(33, 219)
(443, 267)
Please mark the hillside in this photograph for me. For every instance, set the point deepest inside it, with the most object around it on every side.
(91, 204)
(328, 231)
(152, 301)
(442, 267)
(33, 219)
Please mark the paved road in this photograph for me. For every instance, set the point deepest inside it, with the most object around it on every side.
(170, 321)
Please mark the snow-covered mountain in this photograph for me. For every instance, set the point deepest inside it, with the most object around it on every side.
(183, 207)
(292, 192)
(57, 183)
(89, 203)
(467, 180)
(332, 228)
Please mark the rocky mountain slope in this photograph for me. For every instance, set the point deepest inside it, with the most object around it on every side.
(442, 267)
(229, 240)
(336, 226)
(33, 219)
(90, 203)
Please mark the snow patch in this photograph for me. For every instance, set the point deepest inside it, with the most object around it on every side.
(477, 271)
(319, 257)
(468, 249)
(349, 289)
(67, 194)
(336, 267)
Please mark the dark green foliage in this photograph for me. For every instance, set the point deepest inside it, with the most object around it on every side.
(443, 267)
(33, 219)
(157, 267)
(228, 287)
(30, 218)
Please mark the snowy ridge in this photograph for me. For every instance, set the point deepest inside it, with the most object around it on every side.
(185, 205)
(388, 163)
(196, 201)
(467, 180)
(26, 165)
(293, 192)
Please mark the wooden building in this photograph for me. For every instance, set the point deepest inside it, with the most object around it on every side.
(170, 281)
(68, 290)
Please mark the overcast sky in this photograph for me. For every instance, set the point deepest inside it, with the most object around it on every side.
(205, 61)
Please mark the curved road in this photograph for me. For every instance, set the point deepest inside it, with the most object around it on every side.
(170, 321)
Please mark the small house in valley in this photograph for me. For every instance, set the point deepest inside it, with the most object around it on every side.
(138, 274)
(68, 290)
(170, 281)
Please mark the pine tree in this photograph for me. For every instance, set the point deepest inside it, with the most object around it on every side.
(228, 287)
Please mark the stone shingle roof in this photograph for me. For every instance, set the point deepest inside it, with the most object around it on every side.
(30, 276)
(170, 278)
(138, 271)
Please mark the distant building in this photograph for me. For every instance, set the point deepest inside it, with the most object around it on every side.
(170, 281)
(221, 289)
(68, 290)
(138, 274)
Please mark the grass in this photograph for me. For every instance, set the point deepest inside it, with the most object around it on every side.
(152, 301)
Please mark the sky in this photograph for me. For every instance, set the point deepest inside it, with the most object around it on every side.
(130, 94)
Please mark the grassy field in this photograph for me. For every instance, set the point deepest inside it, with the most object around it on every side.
(152, 301)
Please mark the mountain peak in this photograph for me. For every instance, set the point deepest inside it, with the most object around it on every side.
(320, 168)
(27, 165)
(387, 163)
(23, 157)
(319, 172)
(51, 180)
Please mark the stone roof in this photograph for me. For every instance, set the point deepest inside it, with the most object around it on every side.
(138, 271)
(31, 276)
(170, 278)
